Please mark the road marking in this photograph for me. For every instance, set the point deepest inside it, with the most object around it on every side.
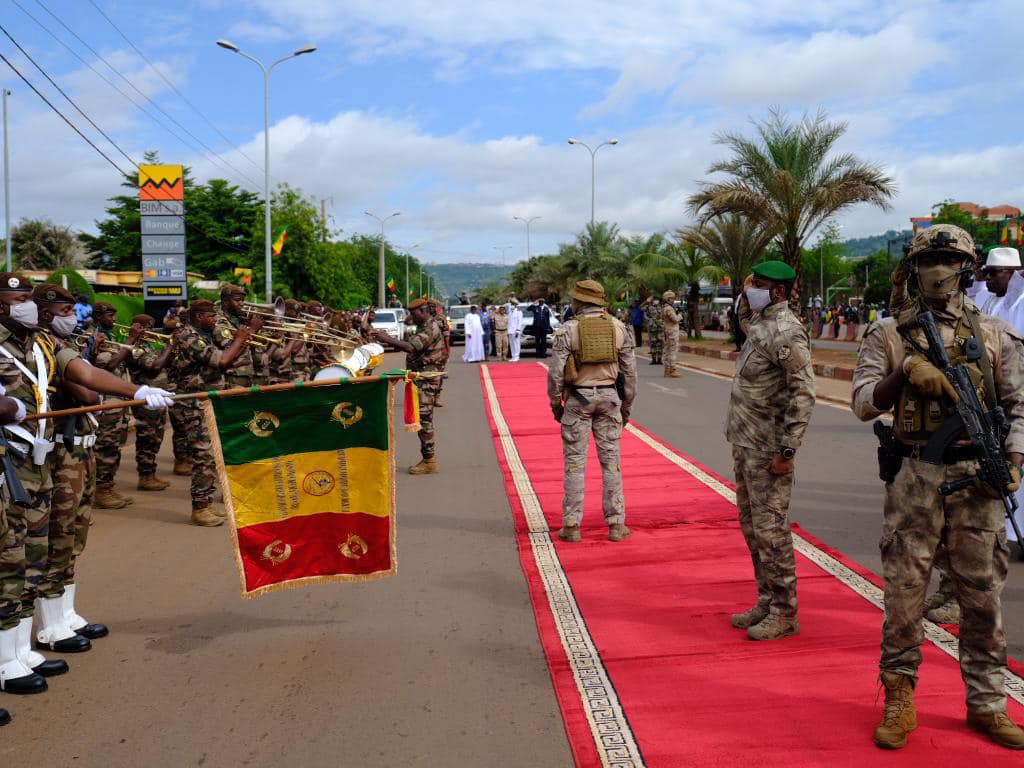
(941, 638)
(674, 391)
(612, 734)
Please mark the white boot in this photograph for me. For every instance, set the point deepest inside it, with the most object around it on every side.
(15, 676)
(76, 622)
(53, 631)
(33, 659)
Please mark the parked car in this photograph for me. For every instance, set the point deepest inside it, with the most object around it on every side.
(457, 316)
(529, 340)
(387, 320)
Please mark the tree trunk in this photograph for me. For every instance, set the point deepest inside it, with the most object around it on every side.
(693, 310)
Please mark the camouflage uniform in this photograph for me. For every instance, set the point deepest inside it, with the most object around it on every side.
(917, 518)
(501, 336)
(769, 408)
(302, 363)
(195, 367)
(602, 416)
(150, 425)
(670, 321)
(74, 480)
(655, 331)
(243, 372)
(112, 433)
(430, 354)
(24, 550)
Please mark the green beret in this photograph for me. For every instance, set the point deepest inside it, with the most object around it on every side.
(775, 270)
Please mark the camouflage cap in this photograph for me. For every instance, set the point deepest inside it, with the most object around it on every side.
(143, 320)
(232, 291)
(48, 293)
(201, 305)
(314, 303)
(103, 308)
(12, 281)
(419, 303)
(943, 237)
(668, 295)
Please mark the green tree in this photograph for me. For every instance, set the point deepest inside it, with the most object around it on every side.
(76, 283)
(788, 178)
(682, 264)
(221, 219)
(824, 264)
(732, 242)
(41, 244)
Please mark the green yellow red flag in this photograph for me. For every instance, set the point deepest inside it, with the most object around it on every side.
(308, 482)
(278, 245)
(1004, 236)
(391, 285)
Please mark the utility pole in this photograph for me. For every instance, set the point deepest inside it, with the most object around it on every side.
(323, 216)
(7, 187)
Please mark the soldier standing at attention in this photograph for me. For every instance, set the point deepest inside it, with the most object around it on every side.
(147, 365)
(893, 375)
(200, 366)
(242, 373)
(425, 350)
(655, 329)
(591, 386)
(500, 322)
(769, 407)
(112, 433)
(670, 319)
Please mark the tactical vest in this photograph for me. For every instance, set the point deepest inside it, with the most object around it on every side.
(597, 340)
(918, 417)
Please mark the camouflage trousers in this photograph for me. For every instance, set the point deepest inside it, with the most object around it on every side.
(763, 502)
(149, 436)
(200, 450)
(430, 391)
(671, 350)
(24, 549)
(916, 520)
(74, 480)
(501, 344)
(655, 339)
(179, 435)
(602, 417)
(111, 435)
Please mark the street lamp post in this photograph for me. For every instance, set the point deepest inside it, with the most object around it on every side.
(266, 145)
(380, 255)
(501, 249)
(407, 252)
(593, 167)
(532, 219)
(7, 187)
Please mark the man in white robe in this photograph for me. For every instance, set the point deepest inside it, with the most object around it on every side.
(515, 331)
(474, 337)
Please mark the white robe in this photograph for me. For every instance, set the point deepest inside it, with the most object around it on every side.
(474, 339)
(515, 333)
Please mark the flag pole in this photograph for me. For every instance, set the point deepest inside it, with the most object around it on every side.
(241, 391)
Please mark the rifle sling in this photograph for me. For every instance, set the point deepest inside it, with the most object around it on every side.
(984, 363)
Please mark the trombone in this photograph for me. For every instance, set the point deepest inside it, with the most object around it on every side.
(153, 335)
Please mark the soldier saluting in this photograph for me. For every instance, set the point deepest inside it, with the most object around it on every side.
(591, 386)
(893, 374)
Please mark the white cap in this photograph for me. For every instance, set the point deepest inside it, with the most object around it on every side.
(1003, 257)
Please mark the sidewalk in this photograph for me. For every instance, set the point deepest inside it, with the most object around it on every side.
(829, 362)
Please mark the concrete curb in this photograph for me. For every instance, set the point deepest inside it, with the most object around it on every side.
(820, 369)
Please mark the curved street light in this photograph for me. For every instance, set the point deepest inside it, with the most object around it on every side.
(380, 256)
(527, 222)
(593, 152)
(228, 45)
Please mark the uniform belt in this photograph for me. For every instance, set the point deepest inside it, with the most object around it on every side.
(574, 388)
(950, 456)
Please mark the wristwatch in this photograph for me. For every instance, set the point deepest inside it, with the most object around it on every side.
(787, 453)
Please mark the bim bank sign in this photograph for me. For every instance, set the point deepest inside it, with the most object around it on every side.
(162, 208)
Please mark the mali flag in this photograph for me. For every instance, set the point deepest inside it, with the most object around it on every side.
(278, 245)
(391, 285)
(1020, 235)
(1004, 236)
(308, 481)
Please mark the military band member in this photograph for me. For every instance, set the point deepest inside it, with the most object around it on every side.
(27, 368)
(592, 352)
(199, 366)
(243, 371)
(301, 358)
(147, 364)
(112, 433)
(425, 351)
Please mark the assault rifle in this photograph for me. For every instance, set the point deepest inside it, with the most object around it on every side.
(17, 491)
(986, 429)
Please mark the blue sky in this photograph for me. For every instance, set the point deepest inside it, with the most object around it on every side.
(457, 113)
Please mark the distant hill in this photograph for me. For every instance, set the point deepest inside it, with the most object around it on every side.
(452, 279)
(859, 247)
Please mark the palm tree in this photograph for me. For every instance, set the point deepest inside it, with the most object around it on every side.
(786, 179)
(685, 265)
(732, 242)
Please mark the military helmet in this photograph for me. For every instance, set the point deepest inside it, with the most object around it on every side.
(943, 237)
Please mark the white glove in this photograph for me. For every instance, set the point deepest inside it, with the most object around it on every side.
(22, 411)
(155, 397)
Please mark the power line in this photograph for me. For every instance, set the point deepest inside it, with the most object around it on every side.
(208, 150)
(172, 86)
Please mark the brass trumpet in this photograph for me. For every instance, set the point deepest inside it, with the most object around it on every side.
(153, 335)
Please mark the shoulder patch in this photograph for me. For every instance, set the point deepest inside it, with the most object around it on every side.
(784, 353)
(225, 333)
(200, 344)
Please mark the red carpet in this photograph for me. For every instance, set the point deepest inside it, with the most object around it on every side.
(647, 669)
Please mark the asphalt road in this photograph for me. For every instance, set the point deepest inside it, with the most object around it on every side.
(438, 666)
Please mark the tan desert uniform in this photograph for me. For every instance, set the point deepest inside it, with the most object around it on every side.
(500, 322)
(670, 318)
(603, 415)
(769, 409)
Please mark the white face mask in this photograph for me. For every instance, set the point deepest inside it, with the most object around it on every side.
(64, 325)
(758, 298)
(26, 313)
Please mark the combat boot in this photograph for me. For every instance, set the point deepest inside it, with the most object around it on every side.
(774, 626)
(617, 532)
(998, 727)
(570, 533)
(203, 515)
(749, 617)
(942, 609)
(5, 717)
(183, 467)
(105, 498)
(128, 500)
(899, 717)
(15, 676)
(77, 623)
(672, 373)
(151, 482)
(425, 467)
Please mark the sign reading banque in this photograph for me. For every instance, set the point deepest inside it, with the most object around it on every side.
(162, 209)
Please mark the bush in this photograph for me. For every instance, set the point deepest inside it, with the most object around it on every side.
(127, 306)
(76, 283)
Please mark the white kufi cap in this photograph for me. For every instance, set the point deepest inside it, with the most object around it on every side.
(1003, 257)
